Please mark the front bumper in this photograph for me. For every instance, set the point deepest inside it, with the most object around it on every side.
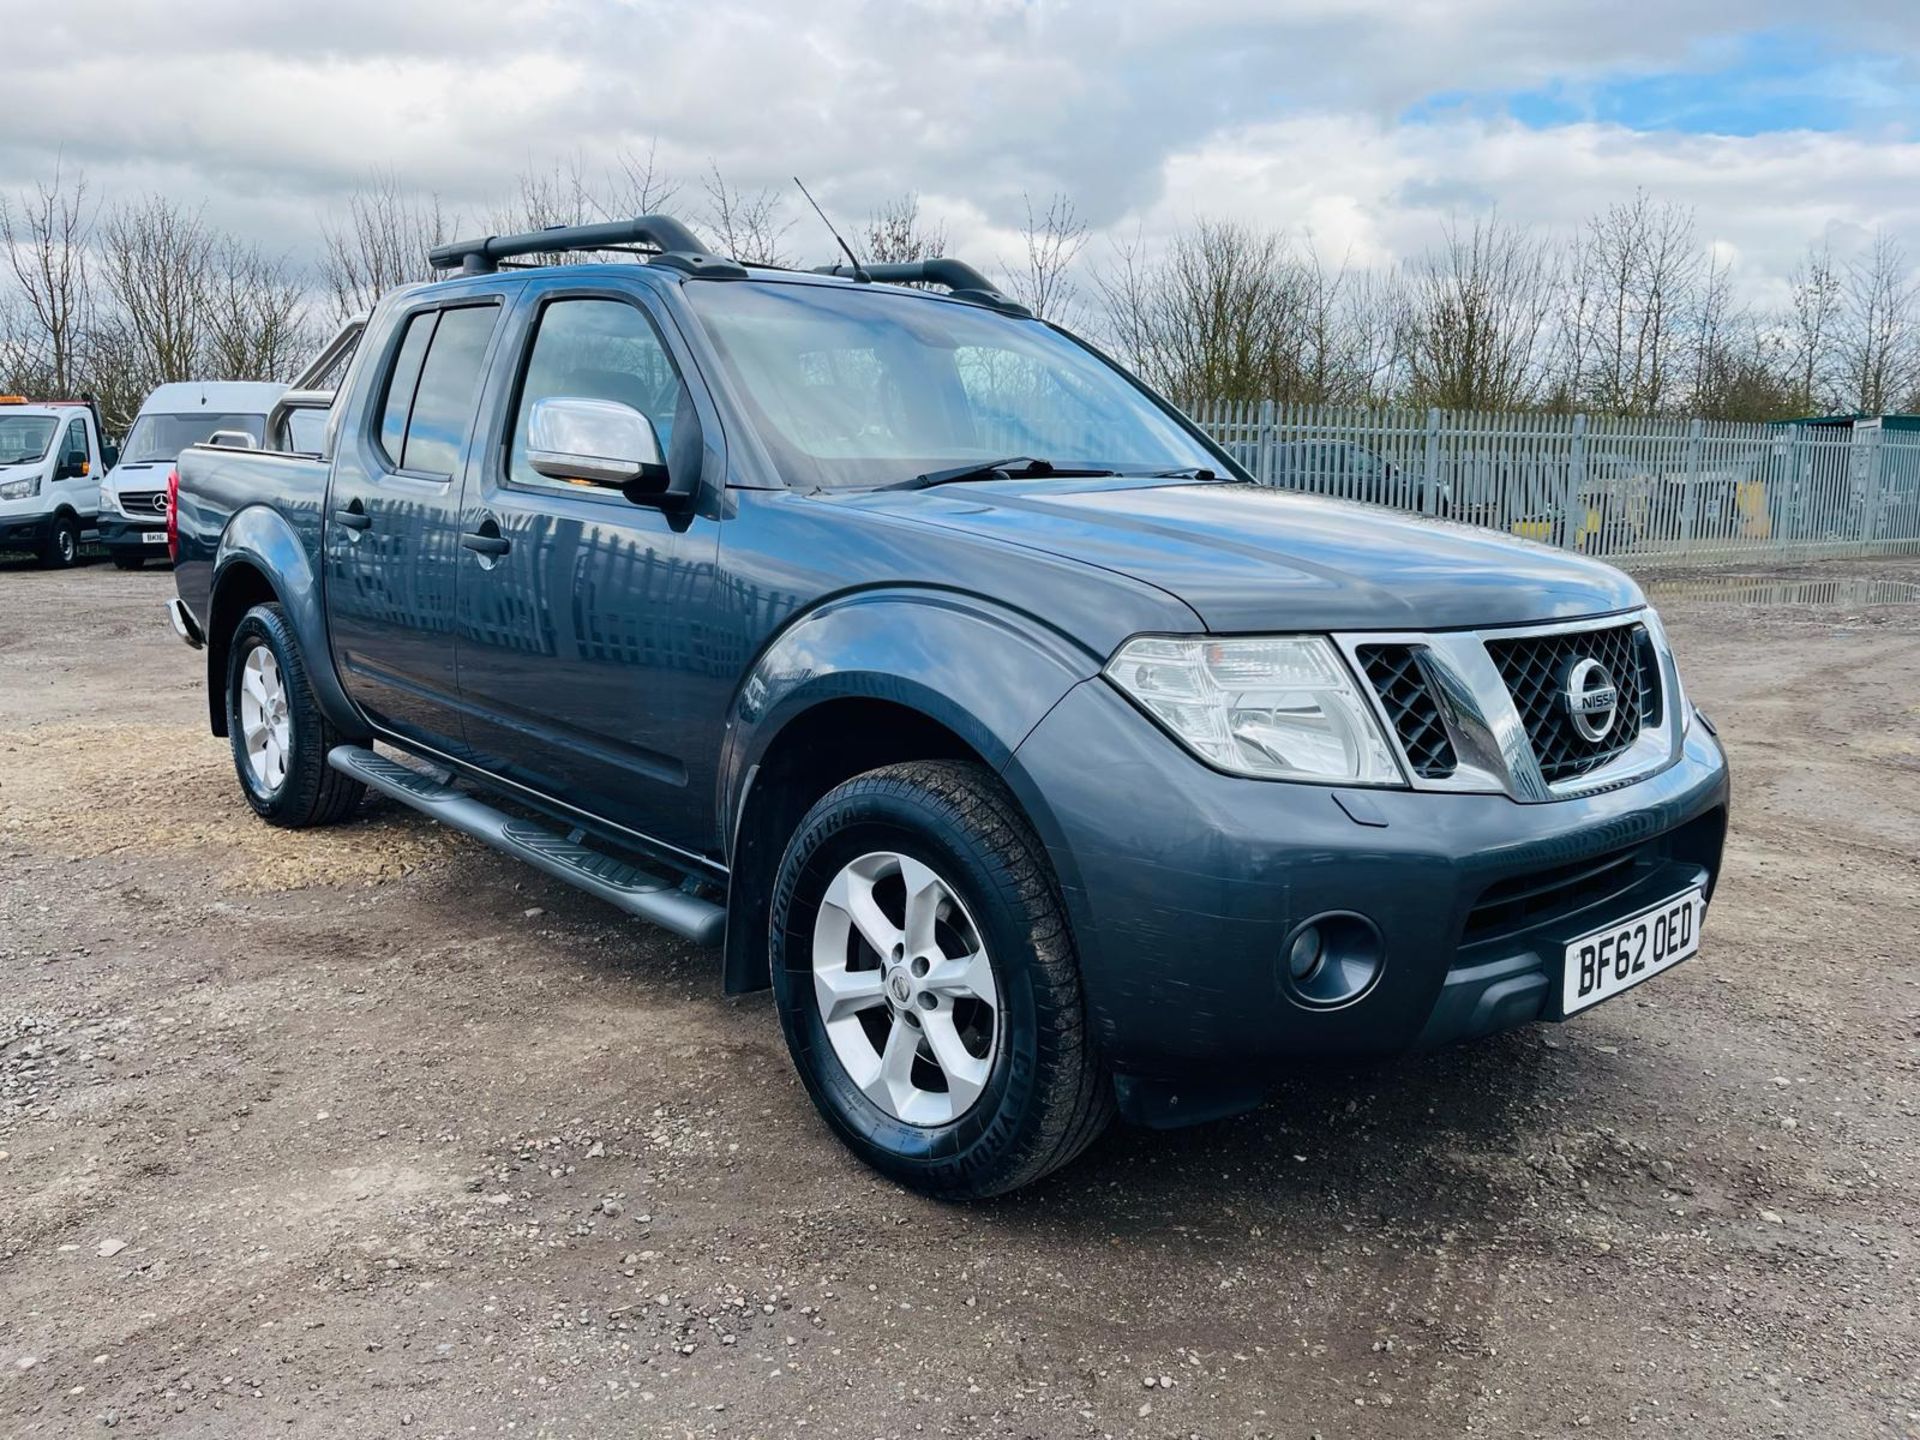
(121, 534)
(24, 532)
(1184, 887)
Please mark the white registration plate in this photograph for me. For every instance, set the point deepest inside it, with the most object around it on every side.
(1601, 965)
(154, 537)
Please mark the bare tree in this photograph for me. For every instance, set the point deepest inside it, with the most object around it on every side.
(1220, 317)
(1475, 319)
(1043, 279)
(1716, 331)
(156, 261)
(47, 235)
(1638, 273)
(256, 326)
(1741, 376)
(382, 242)
(541, 199)
(1366, 364)
(895, 232)
(636, 185)
(1877, 340)
(747, 224)
(1810, 328)
(558, 195)
(22, 363)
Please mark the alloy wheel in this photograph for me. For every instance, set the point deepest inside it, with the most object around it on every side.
(265, 724)
(905, 988)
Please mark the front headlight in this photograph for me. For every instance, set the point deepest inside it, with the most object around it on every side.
(1276, 707)
(20, 489)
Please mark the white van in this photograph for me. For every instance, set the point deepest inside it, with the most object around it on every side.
(133, 498)
(51, 459)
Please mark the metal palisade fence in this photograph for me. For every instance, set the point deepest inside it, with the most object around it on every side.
(1642, 492)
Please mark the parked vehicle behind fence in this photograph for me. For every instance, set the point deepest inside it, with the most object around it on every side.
(1646, 490)
(133, 497)
(955, 685)
(52, 454)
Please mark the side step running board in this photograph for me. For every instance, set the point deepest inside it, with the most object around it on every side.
(634, 890)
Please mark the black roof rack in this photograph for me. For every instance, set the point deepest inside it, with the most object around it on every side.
(674, 243)
(965, 282)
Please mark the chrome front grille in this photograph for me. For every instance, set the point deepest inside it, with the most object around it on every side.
(1399, 680)
(1538, 670)
(144, 503)
(1518, 711)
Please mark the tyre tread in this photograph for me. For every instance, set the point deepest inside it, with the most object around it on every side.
(1074, 1092)
(319, 794)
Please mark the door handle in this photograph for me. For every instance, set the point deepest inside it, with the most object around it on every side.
(354, 516)
(487, 539)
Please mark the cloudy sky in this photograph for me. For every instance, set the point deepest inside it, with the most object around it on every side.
(1363, 123)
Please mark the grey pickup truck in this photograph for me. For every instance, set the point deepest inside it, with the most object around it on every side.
(952, 683)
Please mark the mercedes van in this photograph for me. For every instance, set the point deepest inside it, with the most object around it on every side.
(133, 498)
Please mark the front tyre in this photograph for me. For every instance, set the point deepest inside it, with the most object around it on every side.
(61, 548)
(279, 737)
(927, 983)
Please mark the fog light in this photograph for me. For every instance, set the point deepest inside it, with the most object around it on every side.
(1332, 959)
(1303, 958)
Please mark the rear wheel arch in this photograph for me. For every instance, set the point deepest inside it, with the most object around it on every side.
(280, 738)
(241, 585)
(262, 556)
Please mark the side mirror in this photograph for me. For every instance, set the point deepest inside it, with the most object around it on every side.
(597, 442)
(72, 470)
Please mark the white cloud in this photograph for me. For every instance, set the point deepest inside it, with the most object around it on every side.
(1374, 190)
(1282, 112)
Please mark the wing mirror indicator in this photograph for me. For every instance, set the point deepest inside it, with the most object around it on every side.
(600, 443)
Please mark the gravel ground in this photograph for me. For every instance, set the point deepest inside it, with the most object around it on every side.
(372, 1132)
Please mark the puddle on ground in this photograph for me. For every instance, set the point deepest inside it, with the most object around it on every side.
(1851, 593)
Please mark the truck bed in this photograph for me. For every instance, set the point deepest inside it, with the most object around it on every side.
(217, 485)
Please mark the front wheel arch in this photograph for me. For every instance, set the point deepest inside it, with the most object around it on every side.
(815, 750)
(1046, 1094)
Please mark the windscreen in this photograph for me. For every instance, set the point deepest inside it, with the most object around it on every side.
(852, 386)
(24, 438)
(159, 439)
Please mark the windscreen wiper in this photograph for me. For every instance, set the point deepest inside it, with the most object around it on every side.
(1015, 467)
(1178, 472)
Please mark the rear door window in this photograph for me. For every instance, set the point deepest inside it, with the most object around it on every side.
(449, 387)
(433, 387)
(402, 381)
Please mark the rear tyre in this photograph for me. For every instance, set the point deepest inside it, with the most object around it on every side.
(61, 549)
(279, 737)
(927, 983)
(124, 561)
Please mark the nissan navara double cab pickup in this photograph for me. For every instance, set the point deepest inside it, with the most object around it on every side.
(953, 683)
